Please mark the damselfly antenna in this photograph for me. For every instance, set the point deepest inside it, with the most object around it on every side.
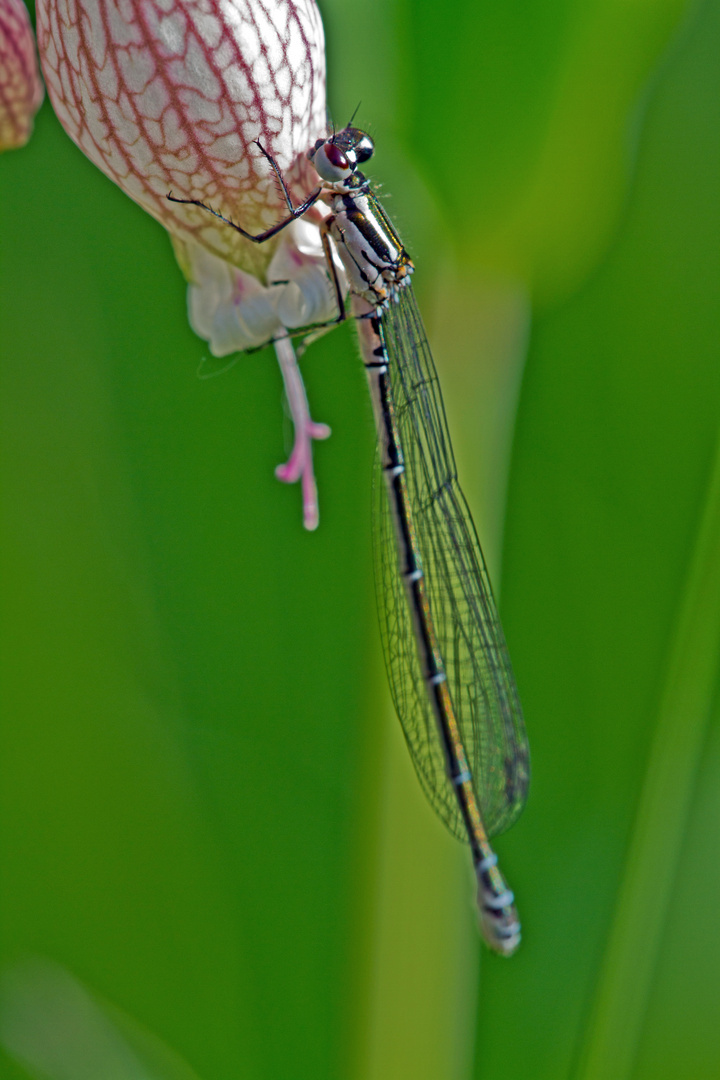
(357, 110)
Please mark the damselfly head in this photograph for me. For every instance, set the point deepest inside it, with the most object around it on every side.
(337, 158)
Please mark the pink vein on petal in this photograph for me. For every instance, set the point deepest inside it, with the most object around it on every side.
(170, 94)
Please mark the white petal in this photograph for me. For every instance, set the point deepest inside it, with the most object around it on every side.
(309, 298)
(230, 309)
(246, 325)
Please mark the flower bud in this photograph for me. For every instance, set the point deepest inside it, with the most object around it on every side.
(172, 97)
(21, 90)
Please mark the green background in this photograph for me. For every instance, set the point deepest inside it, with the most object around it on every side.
(216, 861)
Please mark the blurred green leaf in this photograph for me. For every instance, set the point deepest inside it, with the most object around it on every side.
(521, 119)
(54, 1026)
(185, 669)
(615, 440)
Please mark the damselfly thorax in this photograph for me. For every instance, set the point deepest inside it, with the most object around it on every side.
(371, 251)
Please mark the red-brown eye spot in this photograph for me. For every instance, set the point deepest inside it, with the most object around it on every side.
(335, 156)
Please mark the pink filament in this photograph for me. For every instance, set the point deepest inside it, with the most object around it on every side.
(299, 465)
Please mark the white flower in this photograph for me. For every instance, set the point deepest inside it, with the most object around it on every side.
(234, 311)
(171, 96)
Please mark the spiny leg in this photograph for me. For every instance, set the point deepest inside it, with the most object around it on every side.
(260, 238)
(342, 314)
(276, 169)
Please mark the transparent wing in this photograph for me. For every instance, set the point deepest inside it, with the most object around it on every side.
(407, 685)
(471, 640)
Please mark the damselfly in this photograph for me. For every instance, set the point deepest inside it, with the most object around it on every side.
(447, 661)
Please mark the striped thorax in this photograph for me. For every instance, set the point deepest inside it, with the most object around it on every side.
(373, 256)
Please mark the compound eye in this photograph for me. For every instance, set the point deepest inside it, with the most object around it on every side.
(364, 147)
(331, 162)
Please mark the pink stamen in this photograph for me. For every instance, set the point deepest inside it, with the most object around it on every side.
(299, 465)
